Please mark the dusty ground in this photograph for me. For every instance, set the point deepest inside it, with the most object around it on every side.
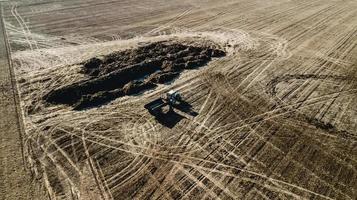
(15, 178)
(277, 115)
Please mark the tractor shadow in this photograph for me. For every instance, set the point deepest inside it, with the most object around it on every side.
(172, 117)
(185, 107)
(169, 119)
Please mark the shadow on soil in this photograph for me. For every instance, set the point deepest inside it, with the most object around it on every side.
(174, 115)
(169, 119)
(130, 72)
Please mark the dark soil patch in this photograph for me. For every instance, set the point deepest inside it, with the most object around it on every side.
(131, 72)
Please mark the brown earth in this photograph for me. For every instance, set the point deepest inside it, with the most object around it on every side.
(15, 179)
(276, 115)
(131, 72)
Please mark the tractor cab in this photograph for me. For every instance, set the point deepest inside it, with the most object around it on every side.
(172, 98)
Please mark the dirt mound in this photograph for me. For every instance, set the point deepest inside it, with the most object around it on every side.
(131, 72)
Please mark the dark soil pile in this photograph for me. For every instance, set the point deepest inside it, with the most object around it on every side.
(131, 72)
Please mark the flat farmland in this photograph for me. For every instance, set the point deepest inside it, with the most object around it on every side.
(272, 85)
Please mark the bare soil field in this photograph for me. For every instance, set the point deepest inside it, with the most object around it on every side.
(273, 83)
(15, 178)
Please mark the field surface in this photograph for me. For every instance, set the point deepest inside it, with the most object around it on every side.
(15, 181)
(271, 88)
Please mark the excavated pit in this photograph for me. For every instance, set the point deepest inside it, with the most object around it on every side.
(131, 72)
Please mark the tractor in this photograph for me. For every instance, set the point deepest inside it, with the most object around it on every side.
(170, 99)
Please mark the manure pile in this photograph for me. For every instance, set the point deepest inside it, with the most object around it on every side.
(130, 72)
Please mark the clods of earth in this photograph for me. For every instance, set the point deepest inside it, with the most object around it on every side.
(131, 72)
